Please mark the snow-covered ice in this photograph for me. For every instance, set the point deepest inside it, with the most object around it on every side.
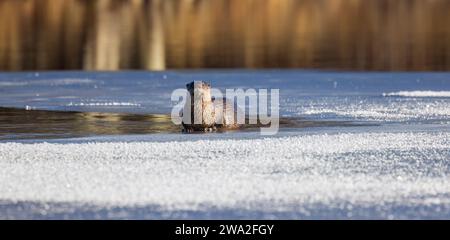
(372, 109)
(418, 94)
(103, 104)
(347, 175)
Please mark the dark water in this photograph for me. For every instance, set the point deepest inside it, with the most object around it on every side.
(23, 124)
(157, 34)
(18, 124)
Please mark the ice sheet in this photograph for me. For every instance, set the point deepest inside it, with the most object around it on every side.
(418, 94)
(340, 175)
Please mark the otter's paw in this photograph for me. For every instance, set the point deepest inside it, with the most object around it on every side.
(188, 130)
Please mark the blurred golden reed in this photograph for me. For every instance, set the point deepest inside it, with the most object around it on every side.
(162, 34)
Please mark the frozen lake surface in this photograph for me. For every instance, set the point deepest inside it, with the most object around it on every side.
(386, 155)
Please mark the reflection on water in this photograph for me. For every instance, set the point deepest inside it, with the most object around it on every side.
(23, 124)
(158, 34)
(36, 124)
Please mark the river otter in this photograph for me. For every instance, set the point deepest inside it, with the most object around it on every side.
(208, 108)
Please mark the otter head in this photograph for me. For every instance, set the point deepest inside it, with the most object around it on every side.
(200, 102)
(201, 89)
(200, 86)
